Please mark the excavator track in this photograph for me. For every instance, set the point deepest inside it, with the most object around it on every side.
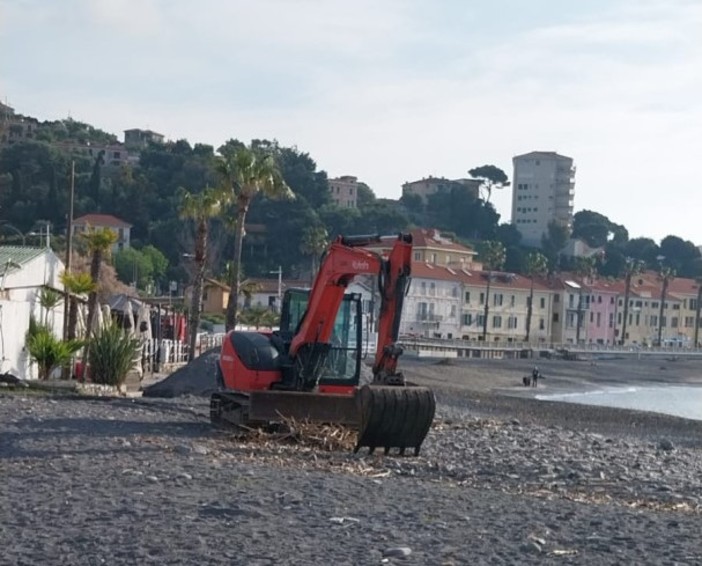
(394, 417)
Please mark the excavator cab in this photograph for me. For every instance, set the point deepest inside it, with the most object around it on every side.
(340, 359)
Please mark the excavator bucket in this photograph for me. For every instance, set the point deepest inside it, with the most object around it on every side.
(394, 417)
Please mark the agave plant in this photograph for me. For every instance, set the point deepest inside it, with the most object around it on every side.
(48, 351)
(112, 354)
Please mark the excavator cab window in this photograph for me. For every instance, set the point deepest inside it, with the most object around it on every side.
(343, 362)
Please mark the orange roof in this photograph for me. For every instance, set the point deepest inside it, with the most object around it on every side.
(101, 220)
(432, 238)
(500, 280)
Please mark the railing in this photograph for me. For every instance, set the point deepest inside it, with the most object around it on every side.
(415, 342)
(156, 354)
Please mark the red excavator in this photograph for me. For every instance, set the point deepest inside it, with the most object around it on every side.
(311, 367)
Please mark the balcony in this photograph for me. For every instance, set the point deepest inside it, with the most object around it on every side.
(429, 317)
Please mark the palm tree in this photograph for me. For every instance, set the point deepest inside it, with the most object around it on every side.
(536, 265)
(314, 242)
(200, 208)
(631, 267)
(76, 284)
(246, 171)
(99, 242)
(666, 274)
(492, 254)
(49, 300)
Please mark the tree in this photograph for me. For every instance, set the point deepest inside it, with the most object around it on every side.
(492, 255)
(632, 267)
(99, 242)
(49, 300)
(698, 307)
(596, 229)
(314, 242)
(536, 266)
(492, 178)
(680, 255)
(200, 208)
(552, 243)
(246, 172)
(48, 351)
(666, 275)
(76, 284)
(585, 269)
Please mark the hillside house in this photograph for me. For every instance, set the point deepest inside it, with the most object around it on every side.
(100, 221)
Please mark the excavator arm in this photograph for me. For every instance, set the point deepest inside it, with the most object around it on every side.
(346, 259)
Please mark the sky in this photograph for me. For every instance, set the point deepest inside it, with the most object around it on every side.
(391, 91)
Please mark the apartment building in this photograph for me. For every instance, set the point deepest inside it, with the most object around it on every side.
(344, 191)
(432, 185)
(543, 192)
(431, 246)
(449, 303)
(677, 322)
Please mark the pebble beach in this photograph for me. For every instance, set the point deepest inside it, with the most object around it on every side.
(502, 478)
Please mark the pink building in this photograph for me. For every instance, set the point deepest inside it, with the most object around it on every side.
(601, 315)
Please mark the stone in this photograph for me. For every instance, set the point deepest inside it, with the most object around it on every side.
(397, 552)
(666, 445)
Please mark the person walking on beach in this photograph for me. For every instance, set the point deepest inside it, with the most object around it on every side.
(534, 376)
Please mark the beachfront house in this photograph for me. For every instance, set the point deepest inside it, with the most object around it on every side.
(24, 273)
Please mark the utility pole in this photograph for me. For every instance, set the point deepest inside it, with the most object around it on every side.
(69, 246)
(279, 271)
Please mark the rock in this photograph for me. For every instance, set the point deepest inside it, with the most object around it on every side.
(531, 547)
(397, 552)
(666, 445)
(200, 449)
(152, 478)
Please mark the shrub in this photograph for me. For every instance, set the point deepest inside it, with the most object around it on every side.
(48, 351)
(112, 353)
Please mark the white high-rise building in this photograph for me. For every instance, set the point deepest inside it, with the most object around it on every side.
(543, 189)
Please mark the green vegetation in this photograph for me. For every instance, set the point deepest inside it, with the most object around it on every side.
(47, 351)
(34, 184)
(112, 355)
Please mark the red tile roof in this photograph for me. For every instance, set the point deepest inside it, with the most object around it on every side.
(432, 238)
(101, 220)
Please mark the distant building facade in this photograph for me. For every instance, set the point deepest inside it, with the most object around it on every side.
(139, 139)
(344, 191)
(543, 192)
(99, 221)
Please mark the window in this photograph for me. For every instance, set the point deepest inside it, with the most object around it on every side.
(417, 256)
(467, 297)
(542, 324)
(592, 317)
(454, 292)
(676, 307)
(467, 319)
(611, 320)
(542, 303)
(555, 317)
(497, 321)
(482, 298)
(512, 322)
(693, 304)
(599, 317)
(497, 299)
(654, 320)
(511, 301)
(423, 288)
(674, 322)
(432, 289)
(481, 319)
(556, 298)
(453, 311)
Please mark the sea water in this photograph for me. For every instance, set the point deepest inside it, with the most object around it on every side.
(678, 401)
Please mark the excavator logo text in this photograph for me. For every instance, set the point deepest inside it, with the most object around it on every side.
(360, 265)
